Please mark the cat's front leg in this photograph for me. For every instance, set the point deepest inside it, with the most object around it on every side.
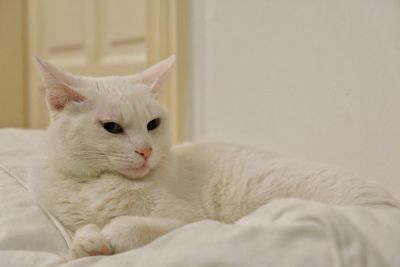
(88, 241)
(128, 232)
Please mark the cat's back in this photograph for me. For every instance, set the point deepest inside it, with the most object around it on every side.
(225, 174)
(216, 153)
(236, 179)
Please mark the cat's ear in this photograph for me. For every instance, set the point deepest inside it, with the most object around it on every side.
(155, 76)
(59, 86)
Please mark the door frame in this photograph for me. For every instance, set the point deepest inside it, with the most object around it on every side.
(168, 34)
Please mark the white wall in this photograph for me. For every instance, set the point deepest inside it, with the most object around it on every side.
(315, 79)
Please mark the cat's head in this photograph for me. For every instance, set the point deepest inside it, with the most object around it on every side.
(107, 124)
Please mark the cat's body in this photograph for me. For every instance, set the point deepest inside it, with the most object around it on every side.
(205, 180)
(109, 174)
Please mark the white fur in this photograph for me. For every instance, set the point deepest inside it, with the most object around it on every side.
(85, 181)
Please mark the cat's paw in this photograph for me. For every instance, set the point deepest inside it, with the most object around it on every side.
(89, 241)
(127, 232)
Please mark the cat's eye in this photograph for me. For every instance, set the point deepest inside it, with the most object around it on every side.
(153, 124)
(112, 127)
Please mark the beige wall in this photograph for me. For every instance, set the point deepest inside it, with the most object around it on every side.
(317, 79)
(12, 94)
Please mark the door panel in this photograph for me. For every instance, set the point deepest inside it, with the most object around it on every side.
(65, 30)
(122, 35)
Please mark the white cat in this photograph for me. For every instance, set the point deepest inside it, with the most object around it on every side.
(109, 174)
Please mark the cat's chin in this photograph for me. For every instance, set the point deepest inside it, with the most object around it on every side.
(136, 173)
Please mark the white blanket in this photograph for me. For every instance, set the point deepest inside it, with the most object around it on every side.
(285, 232)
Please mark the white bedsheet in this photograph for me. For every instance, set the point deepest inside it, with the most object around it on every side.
(285, 232)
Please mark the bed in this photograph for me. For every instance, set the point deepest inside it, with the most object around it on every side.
(284, 232)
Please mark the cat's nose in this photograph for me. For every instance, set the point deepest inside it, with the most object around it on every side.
(144, 151)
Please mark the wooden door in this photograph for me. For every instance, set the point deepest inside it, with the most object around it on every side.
(105, 37)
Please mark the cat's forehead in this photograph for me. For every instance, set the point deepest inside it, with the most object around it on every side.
(117, 85)
(125, 101)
